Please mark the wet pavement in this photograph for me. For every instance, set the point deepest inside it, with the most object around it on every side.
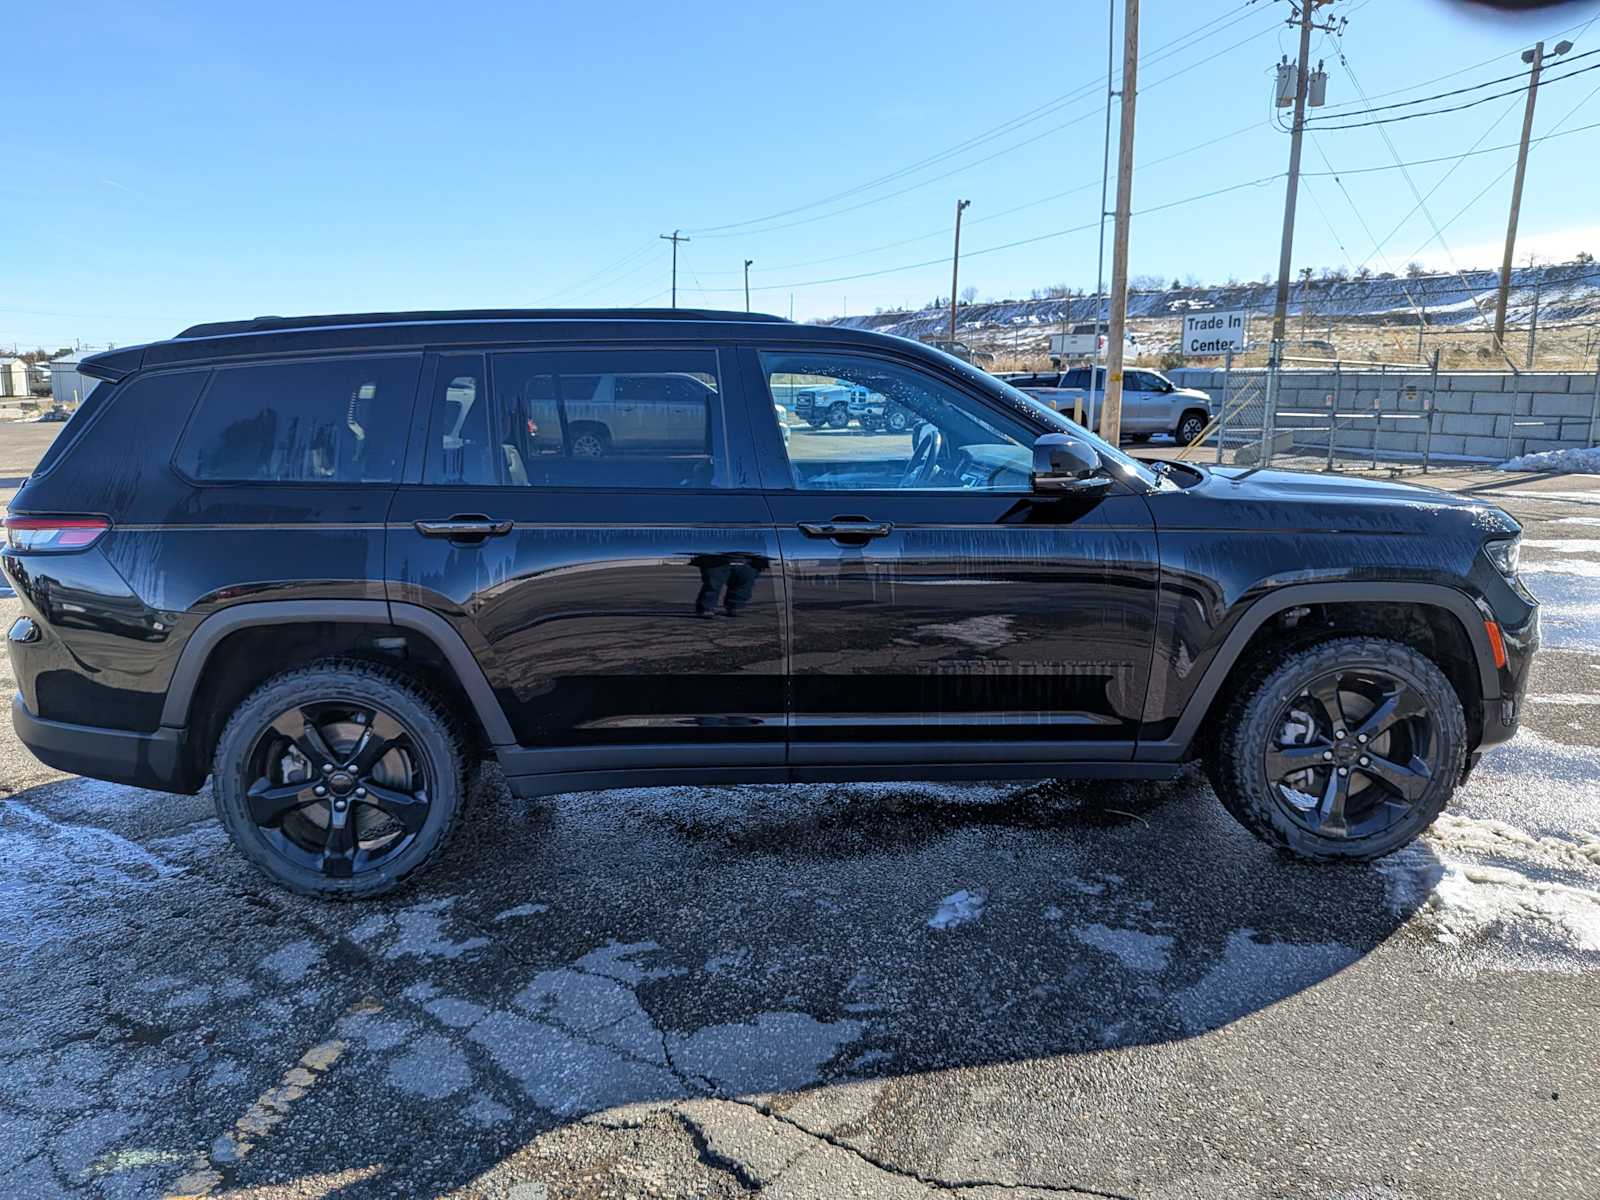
(986, 990)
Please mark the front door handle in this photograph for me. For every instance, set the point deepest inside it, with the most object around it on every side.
(464, 527)
(846, 527)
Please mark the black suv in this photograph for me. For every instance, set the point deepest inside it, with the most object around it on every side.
(335, 562)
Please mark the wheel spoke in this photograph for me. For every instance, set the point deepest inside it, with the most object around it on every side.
(1325, 692)
(1410, 779)
(381, 733)
(408, 809)
(1399, 703)
(299, 728)
(1286, 760)
(1331, 810)
(270, 803)
(339, 848)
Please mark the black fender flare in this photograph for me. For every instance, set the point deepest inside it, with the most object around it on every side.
(210, 632)
(1431, 595)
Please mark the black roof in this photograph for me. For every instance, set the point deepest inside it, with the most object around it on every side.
(225, 341)
(433, 316)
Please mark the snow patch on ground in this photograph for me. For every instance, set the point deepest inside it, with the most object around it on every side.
(1570, 600)
(958, 908)
(1571, 460)
(1499, 898)
(1135, 950)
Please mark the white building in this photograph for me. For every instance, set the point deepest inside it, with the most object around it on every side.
(67, 386)
(13, 377)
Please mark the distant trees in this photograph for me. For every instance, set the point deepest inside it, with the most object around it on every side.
(1583, 258)
(1415, 270)
(969, 294)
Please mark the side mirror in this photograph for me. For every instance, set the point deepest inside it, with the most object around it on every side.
(1063, 464)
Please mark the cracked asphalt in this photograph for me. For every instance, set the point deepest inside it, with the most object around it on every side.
(981, 990)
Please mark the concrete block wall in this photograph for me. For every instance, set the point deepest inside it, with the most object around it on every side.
(1474, 412)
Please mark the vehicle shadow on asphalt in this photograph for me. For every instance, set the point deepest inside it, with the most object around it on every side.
(598, 952)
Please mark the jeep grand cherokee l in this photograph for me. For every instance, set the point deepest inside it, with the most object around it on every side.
(290, 556)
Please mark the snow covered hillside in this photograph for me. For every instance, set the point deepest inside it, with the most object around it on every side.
(1567, 292)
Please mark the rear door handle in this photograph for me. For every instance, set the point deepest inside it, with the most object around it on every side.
(464, 527)
(846, 527)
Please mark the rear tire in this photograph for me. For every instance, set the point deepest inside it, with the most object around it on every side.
(295, 789)
(1293, 770)
(589, 441)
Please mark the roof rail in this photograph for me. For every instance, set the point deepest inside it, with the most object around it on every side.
(274, 324)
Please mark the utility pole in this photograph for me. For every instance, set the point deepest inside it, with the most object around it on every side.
(1535, 58)
(1305, 301)
(1533, 319)
(674, 238)
(1304, 17)
(747, 263)
(1111, 412)
(1105, 178)
(955, 271)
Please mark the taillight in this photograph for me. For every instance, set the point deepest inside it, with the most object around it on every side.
(54, 533)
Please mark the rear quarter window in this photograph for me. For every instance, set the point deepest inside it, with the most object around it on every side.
(340, 420)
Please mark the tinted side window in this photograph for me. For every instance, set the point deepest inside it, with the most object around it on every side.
(610, 418)
(920, 432)
(330, 421)
(461, 449)
(1076, 378)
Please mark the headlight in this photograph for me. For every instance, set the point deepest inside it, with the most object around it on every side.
(1505, 555)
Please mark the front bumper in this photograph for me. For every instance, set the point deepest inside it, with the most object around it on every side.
(148, 760)
(1501, 716)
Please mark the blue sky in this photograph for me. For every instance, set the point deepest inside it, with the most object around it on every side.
(172, 163)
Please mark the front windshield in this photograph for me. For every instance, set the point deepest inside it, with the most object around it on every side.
(1120, 464)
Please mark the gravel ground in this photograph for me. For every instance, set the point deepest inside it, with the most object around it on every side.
(990, 990)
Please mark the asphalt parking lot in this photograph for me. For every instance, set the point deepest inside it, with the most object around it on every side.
(984, 990)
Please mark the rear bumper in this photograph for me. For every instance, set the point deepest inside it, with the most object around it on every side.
(148, 760)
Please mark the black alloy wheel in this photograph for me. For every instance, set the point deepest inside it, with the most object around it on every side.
(342, 778)
(338, 787)
(1354, 751)
(1344, 749)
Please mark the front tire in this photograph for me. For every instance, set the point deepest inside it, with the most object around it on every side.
(341, 779)
(839, 416)
(1190, 427)
(1346, 750)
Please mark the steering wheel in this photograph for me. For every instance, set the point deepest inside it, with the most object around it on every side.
(924, 464)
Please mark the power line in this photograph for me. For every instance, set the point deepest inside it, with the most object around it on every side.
(1523, 75)
(1027, 241)
(1078, 120)
(1434, 112)
(944, 230)
(1424, 162)
(597, 275)
(1490, 185)
(1576, 32)
(741, 228)
(1422, 201)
